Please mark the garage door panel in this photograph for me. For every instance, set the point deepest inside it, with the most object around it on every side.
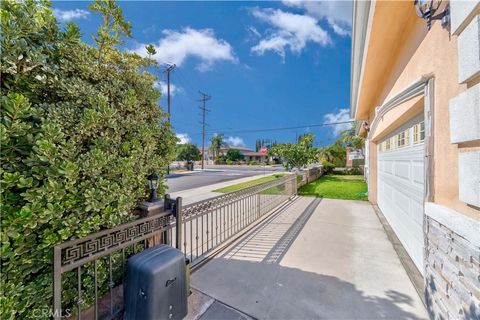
(418, 175)
(406, 186)
(388, 191)
(417, 212)
(400, 191)
(380, 166)
(402, 202)
(402, 169)
(388, 164)
(410, 233)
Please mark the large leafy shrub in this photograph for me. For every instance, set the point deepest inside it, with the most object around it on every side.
(334, 153)
(328, 166)
(188, 152)
(234, 155)
(80, 130)
(296, 155)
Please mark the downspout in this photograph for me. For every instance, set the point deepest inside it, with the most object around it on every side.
(429, 141)
(429, 163)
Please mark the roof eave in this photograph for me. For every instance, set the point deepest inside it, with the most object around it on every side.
(361, 24)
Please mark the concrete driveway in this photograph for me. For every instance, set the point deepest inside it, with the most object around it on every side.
(317, 259)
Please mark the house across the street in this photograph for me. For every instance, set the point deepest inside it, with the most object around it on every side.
(415, 92)
(352, 155)
(249, 154)
(254, 156)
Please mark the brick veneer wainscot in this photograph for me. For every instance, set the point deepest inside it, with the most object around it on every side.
(452, 274)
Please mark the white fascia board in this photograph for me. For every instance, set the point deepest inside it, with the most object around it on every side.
(362, 22)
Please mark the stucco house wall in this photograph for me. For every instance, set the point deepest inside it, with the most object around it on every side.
(431, 58)
(446, 65)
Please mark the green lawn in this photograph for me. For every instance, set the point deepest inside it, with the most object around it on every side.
(336, 187)
(247, 184)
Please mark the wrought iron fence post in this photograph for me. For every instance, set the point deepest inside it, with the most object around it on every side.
(295, 186)
(148, 209)
(259, 206)
(166, 202)
(57, 283)
(178, 221)
(167, 205)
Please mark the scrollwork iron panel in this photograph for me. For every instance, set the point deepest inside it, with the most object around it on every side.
(100, 244)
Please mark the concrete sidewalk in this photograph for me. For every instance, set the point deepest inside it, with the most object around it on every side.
(318, 259)
(206, 192)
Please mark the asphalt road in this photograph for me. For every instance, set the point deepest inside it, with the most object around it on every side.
(214, 174)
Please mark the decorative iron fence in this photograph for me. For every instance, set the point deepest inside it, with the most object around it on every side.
(208, 224)
(88, 272)
(100, 257)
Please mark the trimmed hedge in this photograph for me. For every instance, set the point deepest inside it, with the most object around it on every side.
(79, 134)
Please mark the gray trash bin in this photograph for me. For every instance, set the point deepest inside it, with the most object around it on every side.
(156, 286)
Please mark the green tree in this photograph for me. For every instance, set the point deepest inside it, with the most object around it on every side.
(216, 144)
(325, 154)
(77, 141)
(110, 34)
(188, 152)
(351, 139)
(296, 155)
(334, 154)
(234, 155)
(258, 145)
(150, 50)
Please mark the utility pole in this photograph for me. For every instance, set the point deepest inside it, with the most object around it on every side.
(169, 69)
(204, 99)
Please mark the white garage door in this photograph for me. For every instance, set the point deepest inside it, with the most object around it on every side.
(401, 185)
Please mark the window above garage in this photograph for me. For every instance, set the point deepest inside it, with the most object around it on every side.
(419, 132)
(402, 138)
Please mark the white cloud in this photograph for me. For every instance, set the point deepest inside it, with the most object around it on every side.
(235, 141)
(342, 115)
(290, 31)
(184, 138)
(338, 14)
(178, 46)
(69, 15)
(149, 30)
(162, 86)
(340, 30)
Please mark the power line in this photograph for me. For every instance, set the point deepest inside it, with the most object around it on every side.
(185, 84)
(185, 123)
(204, 99)
(284, 128)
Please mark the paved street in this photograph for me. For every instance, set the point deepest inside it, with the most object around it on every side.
(214, 174)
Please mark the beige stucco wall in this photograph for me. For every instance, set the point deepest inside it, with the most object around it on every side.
(422, 53)
(372, 172)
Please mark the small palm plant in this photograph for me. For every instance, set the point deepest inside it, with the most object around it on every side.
(216, 144)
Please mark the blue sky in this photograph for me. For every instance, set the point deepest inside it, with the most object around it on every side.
(265, 64)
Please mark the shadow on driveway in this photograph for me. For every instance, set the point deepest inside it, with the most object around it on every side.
(295, 294)
(318, 259)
